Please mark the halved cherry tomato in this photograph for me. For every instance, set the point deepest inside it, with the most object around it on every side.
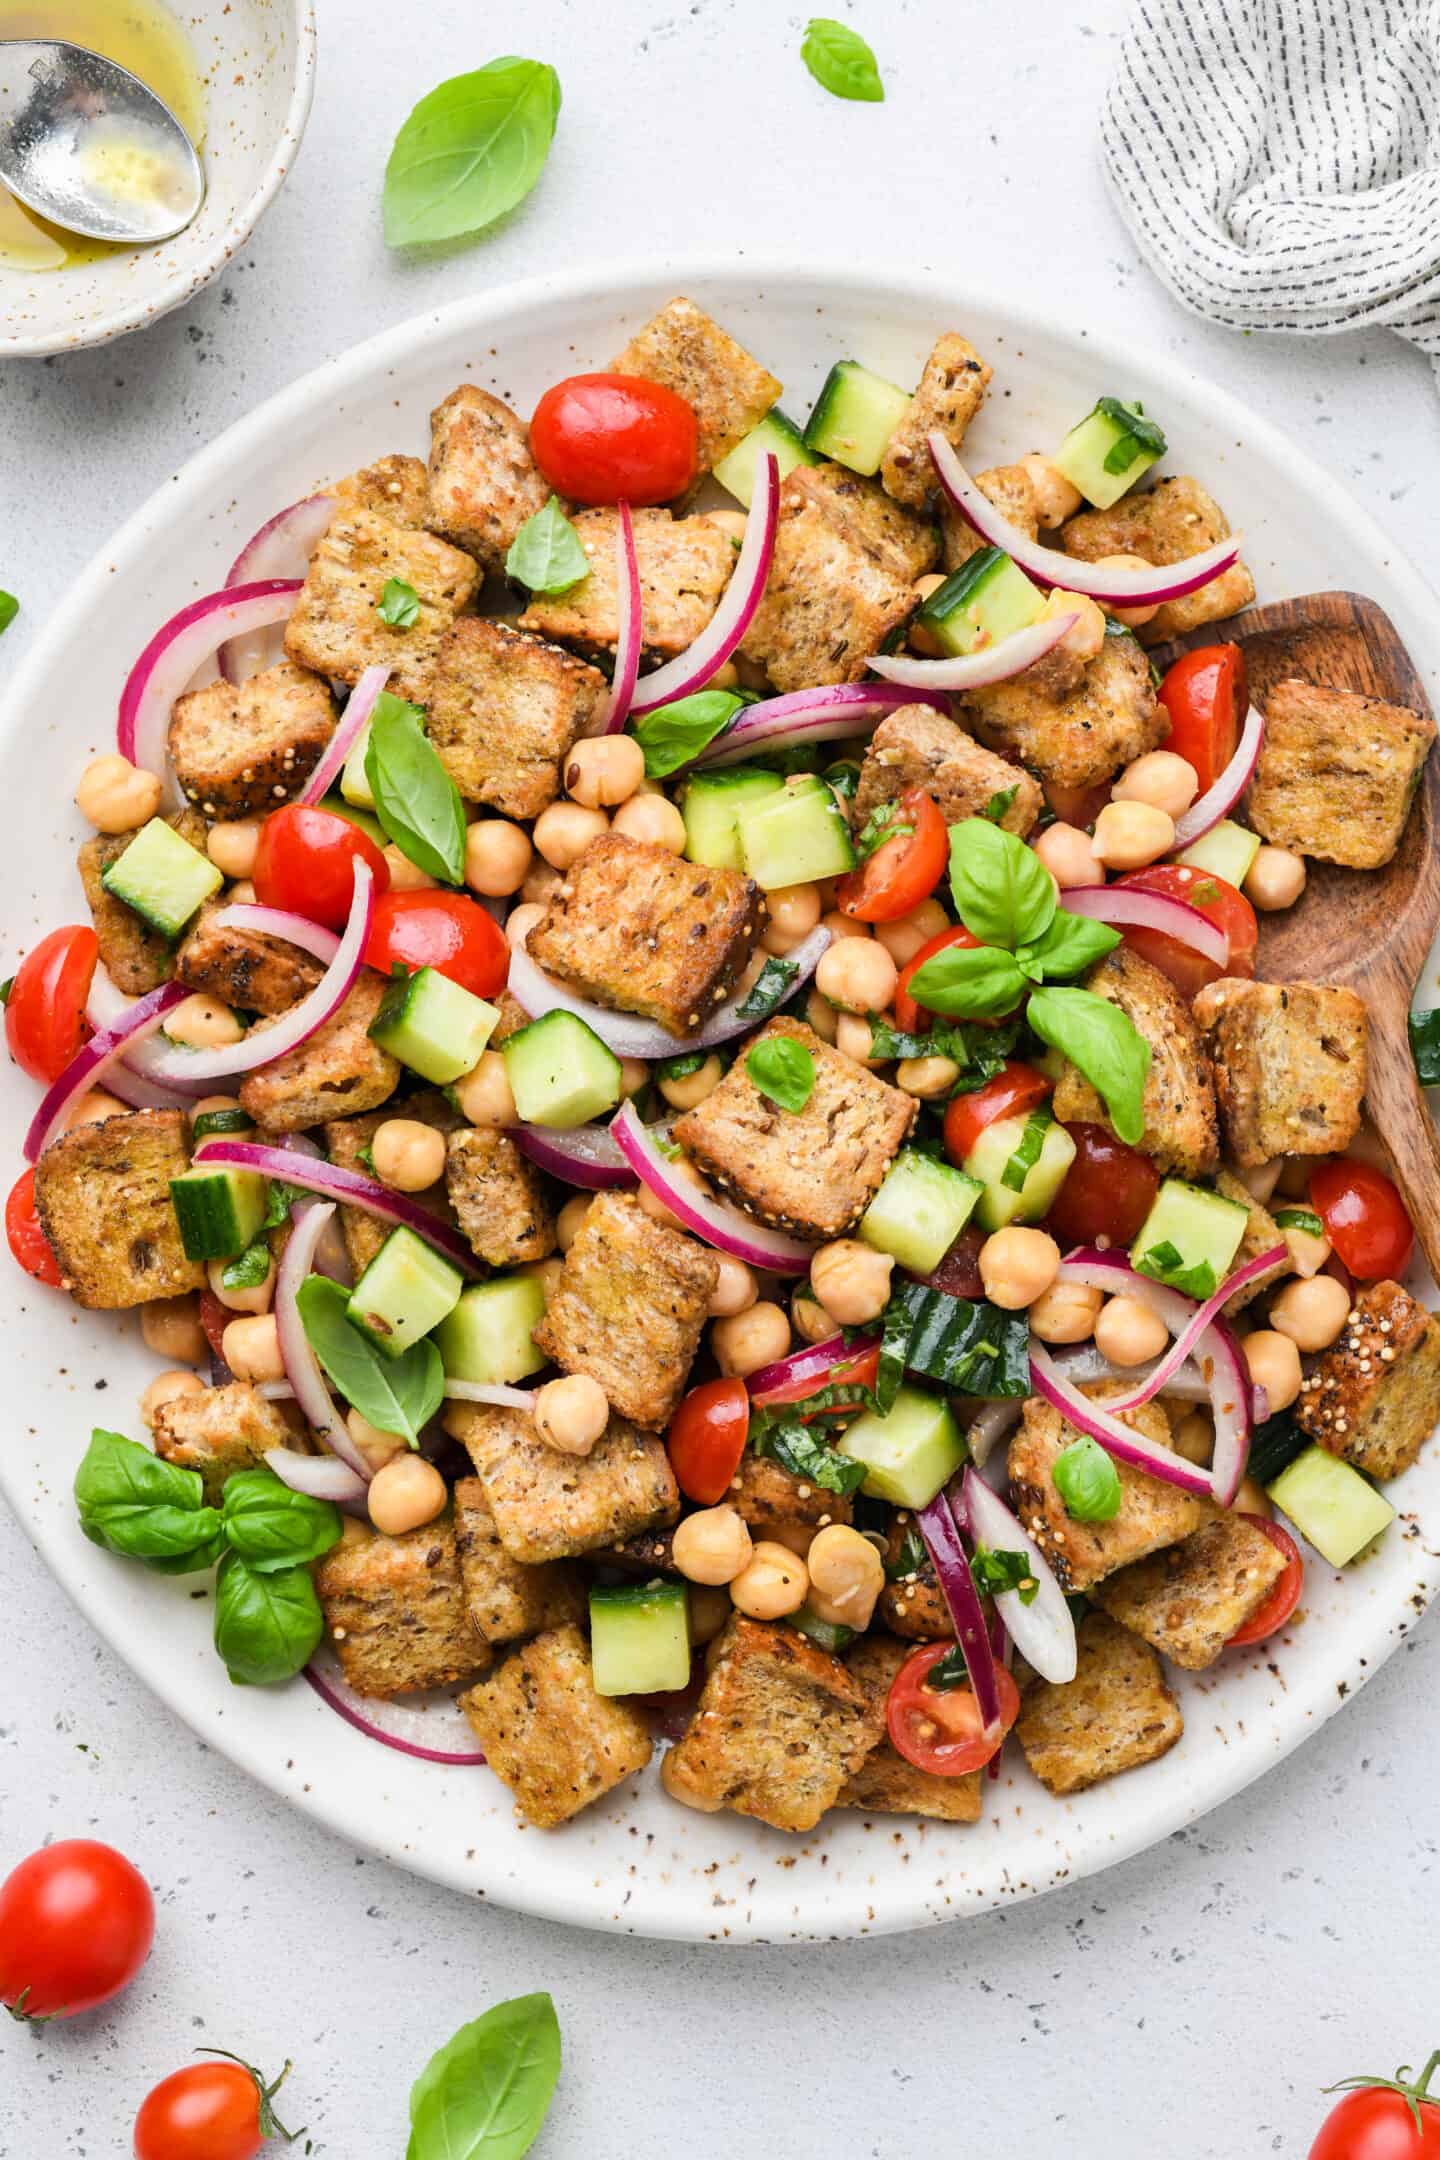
(29, 1245)
(1206, 696)
(856, 1372)
(958, 1274)
(939, 1729)
(208, 2111)
(615, 438)
(76, 1925)
(910, 1018)
(1010, 1094)
(902, 872)
(1285, 1596)
(1107, 1193)
(1218, 901)
(214, 1319)
(1364, 1217)
(303, 863)
(1079, 806)
(707, 1439)
(45, 1015)
(443, 930)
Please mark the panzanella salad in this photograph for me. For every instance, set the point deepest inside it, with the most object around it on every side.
(682, 1094)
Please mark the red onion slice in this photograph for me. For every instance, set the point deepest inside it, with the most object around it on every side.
(1220, 799)
(408, 1727)
(1043, 1631)
(1187, 1321)
(175, 655)
(302, 1367)
(957, 1584)
(90, 1064)
(972, 671)
(693, 668)
(107, 1008)
(984, 1433)
(1126, 907)
(826, 714)
(142, 1094)
(322, 1477)
(1117, 1440)
(586, 1155)
(311, 937)
(281, 549)
(358, 708)
(809, 1368)
(1048, 567)
(499, 1398)
(629, 627)
(715, 1221)
(350, 1187)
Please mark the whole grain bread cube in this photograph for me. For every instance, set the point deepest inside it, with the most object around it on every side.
(508, 1598)
(1374, 1397)
(650, 1552)
(1290, 1065)
(885, 1783)
(641, 930)
(503, 710)
(1166, 524)
(904, 542)
(550, 1506)
(1262, 1234)
(685, 565)
(726, 388)
(912, 1603)
(768, 1497)
(1111, 717)
(1011, 490)
(1187, 1602)
(135, 957)
(103, 1197)
(916, 747)
(240, 749)
(815, 1170)
(223, 1430)
(628, 1308)
(950, 393)
(395, 1608)
(499, 1197)
(348, 1141)
(1178, 1104)
(1114, 1715)
(335, 1072)
(483, 482)
(248, 968)
(779, 1727)
(1337, 773)
(393, 486)
(547, 1734)
(830, 600)
(336, 627)
(1151, 1516)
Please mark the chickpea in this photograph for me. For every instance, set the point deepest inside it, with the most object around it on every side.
(547, 1273)
(405, 1493)
(571, 1414)
(406, 876)
(257, 1299)
(821, 1015)
(571, 1220)
(1018, 1265)
(811, 1321)
(540, 883)
(484, 1093)
(203, 1023)
(1069, 855)
(858, 976)
(233, 845)
(498, 855)
(1128, 1332)
(1128, 835)
(745, 1341)
(796, 1537)
(521, 921)
(171, 1328)
(1132, 617)
(926, 1076)
(377, 1447)
(653, 819)
(1276, 879)
(1308, 1253)
(602, 771)
(1262, 1178)
(1274, 1363)
(212, 1106)
(116, 795)
(1252, 1499)
(1056, 498)
(408, 1156)
(565, 830)
(692, 1088)
(847, 1575)
(1161, 779)
(710, 1610)
(712, 1546)
(1311, 1313)
(1066, 1313)
(920, 637)
(165, 1388)
(736, 1289)
(903, 939)
(1083, 640)
(93, 1107)
(654, 1206)
(1194, 1437)
(774, 1582)
(854, 1038)
(242, 892)
(634, 1075)
(851, 1281)
(251, 1348)
(794, 912)
(843, 926)
(732, 524)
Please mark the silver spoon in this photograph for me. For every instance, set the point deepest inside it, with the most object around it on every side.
(86, 144)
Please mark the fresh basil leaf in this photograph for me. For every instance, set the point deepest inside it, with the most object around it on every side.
(416, 801)
(1104, 1044)
(805, 1455)
(681, 1067)
(272, 1527)
(1165, 1263)
(1070, 945)
(768, 990)
(841, 61)
(842, 778)
(1003, 893)
(1299, 1218)
(880, 826)
(784, 1070)
(546, 553)
(397, 1395)
(248, 1269)
(949, 1671)
(134, 1503)
(1026, 1154)
(673, 735)
(279, 1199)
(471, 150)
(1425, 1046)
(1087, 1481)
(485, 2094)
(1000, 1570)
(913, 1558)
(267, 1625)
(1000, 803)
(9, 609)
(398, 605)
(969, 1346)
(968, 982)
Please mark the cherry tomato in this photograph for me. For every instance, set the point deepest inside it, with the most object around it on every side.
(1206, 696)
(1078, 806)
(902, 872)
(1107, 1193)
(303, 863)
(1218, 901)
(910, 1018)
(442, 930)
(1285, 1596)
(214, 1318)
(615, 438)
(1383, 2119)
(76, 1925)
(958, 1274)
(1011, 1093)
(856, 1372)
(29, 1246)
(45, 1015)
(939, 1729)
(208, 2111)
(707, 1439)
(1364, 1217)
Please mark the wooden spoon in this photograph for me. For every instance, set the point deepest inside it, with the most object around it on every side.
(1368, 929)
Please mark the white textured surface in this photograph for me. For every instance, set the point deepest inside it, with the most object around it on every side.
(1160, 1982)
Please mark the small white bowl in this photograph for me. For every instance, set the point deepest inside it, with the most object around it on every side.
(257, 59)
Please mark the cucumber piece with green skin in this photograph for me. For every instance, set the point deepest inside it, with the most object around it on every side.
(855, 415)
(919, 1211)
(640, 1638)
(909, 1453)
(354, 782)
(1108, 451)
(1203, 1228)
(560, 1072)
(487, 1337)
(405, 1292)
(831, 1635)
(1331, 1505)
(435, 1026)
(795, 836)
(1226, 851)
(211, 1124)
(360, 818)
(981, 604)
(775, 433)
(162, 878)
(219, 1210)
(711, 806)
(991, 1156)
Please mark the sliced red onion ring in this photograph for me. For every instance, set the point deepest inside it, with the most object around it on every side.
(358, 708)
(1048, 567)
(281, 549)
(972, 671)
(302, 1367)
(629, 627)
(1126, 906)
(350, 1187)
(142, 1094)
(1085, 1363)
(1187, 1321)
(91, 1064)
(1117, 1440)
(323, 1477)
(499, 1398)
(715, 1221)
(957, 1584)
(586, 1155)
(175, 655)
(1043, 1631)
(311, 937)
(984, 1432)
(410, 1727)
(693, 668)
(810, 1367)
(106, 1009)
(1220, 799)
(826, 714)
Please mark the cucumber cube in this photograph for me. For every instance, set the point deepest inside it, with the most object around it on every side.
(219, 1210)
(736, 470)
(435, 1026)
(162, 878)
(909, 1453)
(919, 1211)
(354, 781)
(1109, 450)
(1189, 1229)
(1331, 1504)
(795, 836)
(1226, 851)
(560, 1072)
(486, 1336)
(981, 604)
(406, 1291)
(711, 807)
(360, 818)
(855, 415)
(640, 1639)
(1001, 1203)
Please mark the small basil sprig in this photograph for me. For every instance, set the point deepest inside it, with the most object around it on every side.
(268, 1623)
(841, 61)
(416, 801)
(769, 989)
(398, 605)
(546, 553)
(135, 1503)
(486, 2093)
(785, 1439)
(674, 734)
(882, 824)
(1087, 1481)
(470, 151)
(395, 1395)
(783, 1070)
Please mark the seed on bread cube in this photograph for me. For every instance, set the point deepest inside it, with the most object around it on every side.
(483, 482)
(1188, 1601)
(1374, 1396)
(240, 749)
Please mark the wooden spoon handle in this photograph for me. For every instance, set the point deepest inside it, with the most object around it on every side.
(1401, 1116)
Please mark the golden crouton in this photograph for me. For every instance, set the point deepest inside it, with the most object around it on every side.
(483, 482)
(240, 749)
(685, 565)
(395, 1608)
(505, 1598)
(103, 1196)
(223, 1430)
(728, 391)
(885, 1783)
(830, 600)
(779, 1727)
(768, 1497)
(1111, 717)
(861, 509)
(628, 1308)
(1290, 1065)
(1011, 490)
(951, 392)
(1337, 773)
(503, 710)
(1374, 1397)
(1262, 1234)
(1166, 524)
(548, 1735)
(348, 1142)
(135, 957)
(248, 968)
(1152, 1514)
(336, 1071)
(499, 1197)
(550, 1506)
(912, 1603)
(916, 747)
(1114, 1715)
(1189, 1601)
(394, 486)
(1179, 1100)
(337, 628)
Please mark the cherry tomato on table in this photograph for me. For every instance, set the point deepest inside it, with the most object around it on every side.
(29, 1246)
(1206, 697)
(904, 870)
(1285, 1596)
(1383, 2119)
(303, 863)
(76, 1925)
(1011, 1093)
(45, 1013)
(442, 930)
(209, 2111)
(939, 1729)
(615, 438)
(1364, 1217)
(1213, 897)
(707, 1439)
(1107, 1193)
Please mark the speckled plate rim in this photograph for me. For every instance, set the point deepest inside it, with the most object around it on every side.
(637, 1864)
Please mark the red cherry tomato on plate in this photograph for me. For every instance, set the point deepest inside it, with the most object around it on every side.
(939, 1729)
(29, 1246)
(1011, 1093)
(442, 930)
(1285, 1596)
(45, 1013)
(208, 2111)
(958, 1274)
(615, 438)
(76, 1925)
(1364, 1217)
(1213, 897)
(214, 1319)
(707, 1439)
(1383, 2119)
(1206, 696)
(904, 870)
(913, 1019)
(303, 863)
(856, 1372)
(1107, 1193)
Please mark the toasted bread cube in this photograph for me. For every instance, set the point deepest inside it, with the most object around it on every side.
(1152, 1514)
(499, 1197)
(830, 601)
(393, 486)
(885, 1783)
(248, 968)
(483, 483)
(916, 747)
(912, 1603)
(1290, 1065)
(507, 1598)
(550, 1506)
(336, 1071)
(337, 628)
(1166, 524)
(1179, 1099)
(135, 957)
(348, 1141)
(1111, 717)
(685, 565)
(504, 709)
(395, 1608)
(865, 514)
(547, 1734)
(1374, 1397)
(1011, 490)
(649, 1552)
(103, 1196)
(641, 930)
(1337, 773)
(813, 1171)
(1187, 1602)
(223, 1430)
(1114, 1715)
(628, 1308)
(769, 1497)
(951, 392)
(1262, 1234)
(240, 749)
(728, 390)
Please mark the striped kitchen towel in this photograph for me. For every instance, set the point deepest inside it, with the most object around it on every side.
(1279, 160)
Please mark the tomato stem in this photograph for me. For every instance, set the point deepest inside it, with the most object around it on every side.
(270, 2123)
(1411, 2089)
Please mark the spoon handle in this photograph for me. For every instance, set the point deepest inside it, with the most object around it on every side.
(1401, 1115)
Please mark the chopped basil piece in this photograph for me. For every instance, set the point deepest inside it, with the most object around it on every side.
(949, 1671)
(399, 605)
(1003, 1570)
(842, 779)
(767, 991)
(1300, 1218)
(211, 1122)
(980, 1052)
(804, 1454)
(5, 989)
(1165, 1263)
(1141, 434)
(879, 827)
(1087, 1481)
(913, 1557)
(999, 803)
(248, 1269)
(1425, 1046)
(680, 1068)
(9, 609)
(784, 1070)
(546, 554)
(1025, 1156)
